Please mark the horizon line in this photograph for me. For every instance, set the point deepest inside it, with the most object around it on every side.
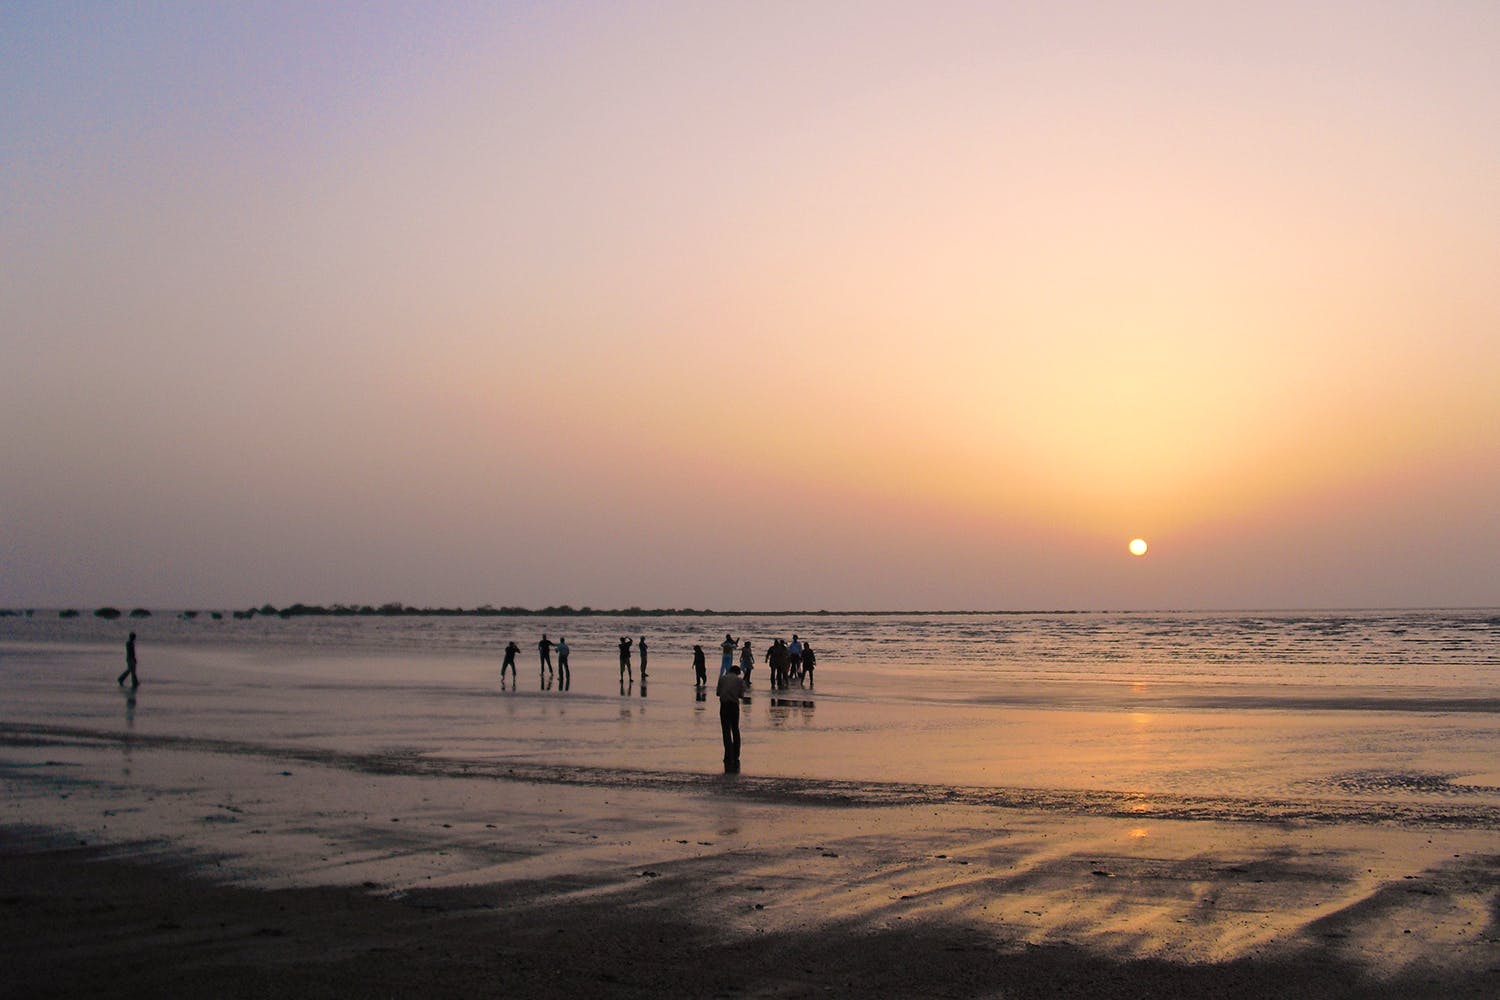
(397, 609)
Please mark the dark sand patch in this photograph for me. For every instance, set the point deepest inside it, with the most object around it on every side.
(74, 923)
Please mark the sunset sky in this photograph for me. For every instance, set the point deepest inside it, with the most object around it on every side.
(751, 306)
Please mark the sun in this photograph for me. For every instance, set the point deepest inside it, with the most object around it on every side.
(1137, 546)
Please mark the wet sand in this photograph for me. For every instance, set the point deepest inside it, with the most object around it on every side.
(75, 924)
(278, 838)
(252, 875)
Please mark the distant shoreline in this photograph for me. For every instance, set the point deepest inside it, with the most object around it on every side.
(399, 610)
(487, 611)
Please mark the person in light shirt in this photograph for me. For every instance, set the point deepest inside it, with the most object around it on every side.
(730, 690)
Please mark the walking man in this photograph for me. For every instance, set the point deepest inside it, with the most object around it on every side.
(129, 664)
(700, 667)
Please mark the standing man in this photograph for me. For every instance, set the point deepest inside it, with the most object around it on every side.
(642, 647)
(129, 664)
(730, 690)
(564, 675)
(728, 646)
(511, 649)
(700, 667)
(544, 650)
(625, 658)
(794, 658)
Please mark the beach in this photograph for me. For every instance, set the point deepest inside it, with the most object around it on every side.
(283, 817)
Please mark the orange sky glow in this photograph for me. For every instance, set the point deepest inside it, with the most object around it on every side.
(752, 306)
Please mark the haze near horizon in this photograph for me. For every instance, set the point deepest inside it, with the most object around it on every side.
(844, 306)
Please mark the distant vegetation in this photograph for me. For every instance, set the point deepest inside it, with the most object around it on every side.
(396, 609)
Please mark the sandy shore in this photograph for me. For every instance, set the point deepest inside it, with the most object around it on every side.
(251, 825)
(77, 922)
(151, 869)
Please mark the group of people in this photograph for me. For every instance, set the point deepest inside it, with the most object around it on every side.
(788, 662)
(794, 661)
(625, 671)
(544, 666)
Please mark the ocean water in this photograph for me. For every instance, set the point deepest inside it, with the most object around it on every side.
(1375, 716)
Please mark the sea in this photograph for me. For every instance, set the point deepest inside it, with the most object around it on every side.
(1268, 716)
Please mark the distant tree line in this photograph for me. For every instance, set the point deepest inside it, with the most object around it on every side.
(395, 609)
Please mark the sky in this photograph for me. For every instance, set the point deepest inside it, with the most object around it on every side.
(750, 305)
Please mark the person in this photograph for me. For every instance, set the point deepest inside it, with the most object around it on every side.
(747, 662)
(731, 689)
(625, 658)
(728, 646)
(779, 661)
(809, 660)
(564, 675)
(129, 664)
(544, 650)
(642, 647)
(700, 667)
(775, 662)
(794, 657)
(510, 661)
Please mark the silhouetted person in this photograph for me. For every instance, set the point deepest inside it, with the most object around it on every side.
(642, 647)
(544, 652)
(779, 664)
(728, 646)
(747, 661)
(625, 659)
(700, 667)
(809, 660)
(129, 664)
(511, 650)
(564, 675)
(794, 657)
(731, 689)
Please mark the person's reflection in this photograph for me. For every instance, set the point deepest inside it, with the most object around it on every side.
(626, 687)
(643, 683)
(701, 694)
(129, 739)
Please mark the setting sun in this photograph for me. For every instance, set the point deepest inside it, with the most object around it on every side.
(1137, 546)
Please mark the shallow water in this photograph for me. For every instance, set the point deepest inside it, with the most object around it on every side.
(1367, 717)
